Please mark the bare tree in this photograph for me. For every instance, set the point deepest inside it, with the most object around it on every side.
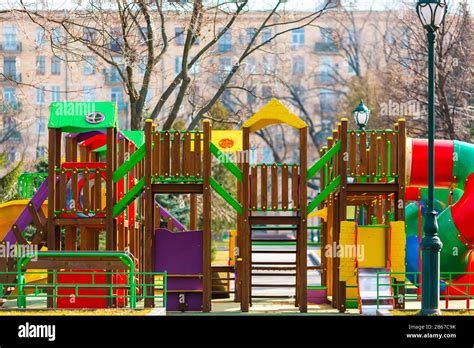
(133, 35)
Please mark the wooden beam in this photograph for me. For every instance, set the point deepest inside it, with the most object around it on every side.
(177, 188)
(206, 218)
(149, 205)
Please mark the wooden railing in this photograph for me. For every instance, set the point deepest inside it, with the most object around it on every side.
(271, 185)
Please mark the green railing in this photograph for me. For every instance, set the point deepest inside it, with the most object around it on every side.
(401, 290)
(28, 183)
(66, 290)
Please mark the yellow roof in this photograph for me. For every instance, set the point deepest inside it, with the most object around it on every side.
(273, 113)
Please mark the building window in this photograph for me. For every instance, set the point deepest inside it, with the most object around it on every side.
(55, 66)
(249, 35)
(298, 93)
(266, 35)
(9, 67)
(327, 100)
(297, 37)
(195, 68)
(225, 66)
(9, 96)
(267, 93)
(225, 42)
(228, 100)
(252, 95)
(55, 93)
(326, 71)
(89, 93)
(179, 36)
(268, 65)
(178, 63)
(56, 36)
(40, 152)
(89, 67)
(89, 34)
(9, 38)
(327, 35)
(116, 95)
(41, 65)
(40, 95)
(41, 125)
(298, 65)
(116, 41)
(251, 65)
(40, 37)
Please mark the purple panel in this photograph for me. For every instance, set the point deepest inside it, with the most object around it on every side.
(25, 217)
(84, 136)
(318, 296)
(180, 253)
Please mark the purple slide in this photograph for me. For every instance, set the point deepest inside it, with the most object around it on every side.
(180, 254)
(167, 215)
(25, 217)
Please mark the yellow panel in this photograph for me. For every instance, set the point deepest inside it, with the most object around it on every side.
(227, 140)
(232, 245)
(398, 249)
(273, 113)
(10, 211)
(372, 240)
(347, 265)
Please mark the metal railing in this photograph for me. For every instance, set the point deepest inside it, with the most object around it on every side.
(412, 289)
(81, 289)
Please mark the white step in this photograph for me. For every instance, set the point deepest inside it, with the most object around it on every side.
(368, 290)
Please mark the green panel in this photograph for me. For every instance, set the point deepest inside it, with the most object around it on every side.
(226, 195)
(137, 137)
(316, 167)
(129, 197)
(71, 116)
(101, 149)
(324, 194)
(225, 160)
(129, 164)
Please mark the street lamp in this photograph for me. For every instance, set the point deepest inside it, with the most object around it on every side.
(431, 14)
(361, 115)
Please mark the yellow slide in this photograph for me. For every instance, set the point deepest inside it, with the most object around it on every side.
(9, 212)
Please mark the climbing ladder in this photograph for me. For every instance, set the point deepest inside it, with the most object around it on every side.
(273, 262)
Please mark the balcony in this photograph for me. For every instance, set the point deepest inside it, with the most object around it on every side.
(325, 47)
(10, 77)
(14, 47)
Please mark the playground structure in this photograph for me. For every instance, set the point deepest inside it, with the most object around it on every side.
(102, 184)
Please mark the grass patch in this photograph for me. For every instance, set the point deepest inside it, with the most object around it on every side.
(78, 312)
(449, 312)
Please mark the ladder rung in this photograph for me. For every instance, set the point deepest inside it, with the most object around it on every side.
(274, 251)
(273, 228)
(274, 274)
(273, 285)
(274, 268)
(273, 296)
(263, 240)
(273, 263)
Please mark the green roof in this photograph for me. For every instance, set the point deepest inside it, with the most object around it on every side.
(137, 137)
(79, 117)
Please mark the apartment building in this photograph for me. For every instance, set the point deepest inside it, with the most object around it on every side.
(304, 61)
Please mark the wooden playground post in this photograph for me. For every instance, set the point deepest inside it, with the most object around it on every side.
(323, 240)
(149, 221)
(71, 156)
(302, 238)
(342, 211)
(206, 218)
(54, 160)
(245, 239)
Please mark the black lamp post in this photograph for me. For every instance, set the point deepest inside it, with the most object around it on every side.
(431, 14)
(361, 115)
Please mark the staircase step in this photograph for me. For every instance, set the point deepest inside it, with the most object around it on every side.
(273, 285)
(274, 251)
(273, 296)
(273, 274)
(263, 240)
(274, 269)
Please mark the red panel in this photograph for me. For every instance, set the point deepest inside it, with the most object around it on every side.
(80, 165)
(69, 300)
(95, 142)
(444, 150)
(413, 193)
